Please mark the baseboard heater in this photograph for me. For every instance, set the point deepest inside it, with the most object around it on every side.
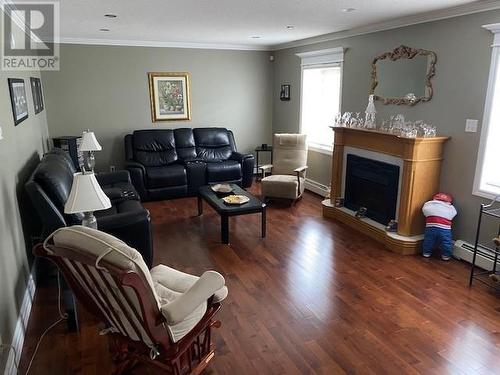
(316, 187)
(465, 251)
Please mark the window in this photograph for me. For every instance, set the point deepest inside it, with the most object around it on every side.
(320, 96)
(487, 179)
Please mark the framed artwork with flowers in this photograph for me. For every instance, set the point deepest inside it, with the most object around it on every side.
(169, 96)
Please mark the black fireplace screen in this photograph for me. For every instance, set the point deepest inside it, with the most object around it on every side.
(374, 185)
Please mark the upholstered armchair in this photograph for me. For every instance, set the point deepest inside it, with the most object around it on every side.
(161, 317)
(288, 169)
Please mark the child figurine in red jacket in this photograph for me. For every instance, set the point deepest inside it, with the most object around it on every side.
(439, 212)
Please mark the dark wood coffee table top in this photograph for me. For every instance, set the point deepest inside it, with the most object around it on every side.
(215, 201)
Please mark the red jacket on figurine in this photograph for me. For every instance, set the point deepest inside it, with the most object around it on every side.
(439, 213)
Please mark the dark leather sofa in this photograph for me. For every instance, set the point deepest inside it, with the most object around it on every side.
(172, 163)
(49, 187)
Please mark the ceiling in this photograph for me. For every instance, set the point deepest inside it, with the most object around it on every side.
(230, 23)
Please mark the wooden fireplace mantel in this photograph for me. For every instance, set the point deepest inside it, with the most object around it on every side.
(422, 159)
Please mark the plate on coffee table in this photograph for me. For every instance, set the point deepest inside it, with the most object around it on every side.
(222, 188)
(236, 199)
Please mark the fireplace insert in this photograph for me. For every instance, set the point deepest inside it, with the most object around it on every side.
(371, 184)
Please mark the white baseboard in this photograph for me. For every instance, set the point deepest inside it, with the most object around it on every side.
(465, 251)
(20, 329)
(316, 187)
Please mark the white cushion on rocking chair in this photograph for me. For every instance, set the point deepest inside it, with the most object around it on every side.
(170, 284)
(181, 298)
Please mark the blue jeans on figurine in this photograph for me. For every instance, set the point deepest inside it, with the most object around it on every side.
(437, 237)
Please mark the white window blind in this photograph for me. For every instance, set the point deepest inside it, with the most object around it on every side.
(320, 95)
(487, 178)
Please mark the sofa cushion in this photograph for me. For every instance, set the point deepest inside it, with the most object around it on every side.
(227, 170)
(170, 175)
(154, 148)
(212, 144)
(184, 143)
(281, 186)
(56, 178)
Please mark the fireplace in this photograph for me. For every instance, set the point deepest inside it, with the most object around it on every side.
(371, 184)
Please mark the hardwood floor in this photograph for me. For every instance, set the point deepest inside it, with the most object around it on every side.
(312, 297)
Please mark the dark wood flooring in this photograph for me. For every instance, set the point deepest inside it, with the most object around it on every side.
(312, 297)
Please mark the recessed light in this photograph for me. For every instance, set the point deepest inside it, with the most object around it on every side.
(255, 37)
(110, 15)
(289, 27)
(104, 29)
(348, 10)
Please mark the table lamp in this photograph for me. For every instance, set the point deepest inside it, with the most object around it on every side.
(88, 146)
(86, 196)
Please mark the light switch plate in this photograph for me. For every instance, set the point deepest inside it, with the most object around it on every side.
(471, 125)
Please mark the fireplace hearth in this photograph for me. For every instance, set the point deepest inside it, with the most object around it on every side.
(416, 162)
(374, 185)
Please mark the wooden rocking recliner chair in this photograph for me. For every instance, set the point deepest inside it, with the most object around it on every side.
(161, 317)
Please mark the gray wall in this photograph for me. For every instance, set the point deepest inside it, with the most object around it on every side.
(106, 89)
(20, 149)
(463, 51)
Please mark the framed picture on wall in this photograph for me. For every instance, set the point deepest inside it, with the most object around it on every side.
(36, 91)
(18, 100)
(169, 96)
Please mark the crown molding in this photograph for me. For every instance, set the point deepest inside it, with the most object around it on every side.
(475, 7)
(495, 30)
(461, 10)
(143, 43)
(493, 27)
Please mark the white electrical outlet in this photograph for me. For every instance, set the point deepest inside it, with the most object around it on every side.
(471, 125)
(112, 168)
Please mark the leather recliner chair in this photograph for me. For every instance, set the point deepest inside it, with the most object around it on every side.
(49, 187)
(172, 163)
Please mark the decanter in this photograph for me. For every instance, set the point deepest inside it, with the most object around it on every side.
(370, 114)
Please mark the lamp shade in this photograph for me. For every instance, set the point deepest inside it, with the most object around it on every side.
(89, 142)
(86, 195)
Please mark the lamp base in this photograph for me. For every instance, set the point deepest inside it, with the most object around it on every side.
(89, 220)
(88, 161)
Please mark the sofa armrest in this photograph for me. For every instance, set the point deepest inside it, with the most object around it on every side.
(300, 171)
(205, 287)
(138, 177)
(133, 164)
(238, 156)
(192, 160)
(108, 178)
(247, 162)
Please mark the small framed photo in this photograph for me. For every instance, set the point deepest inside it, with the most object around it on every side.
(18, 100)
(285, 93)
(169, 96)
(36, 91)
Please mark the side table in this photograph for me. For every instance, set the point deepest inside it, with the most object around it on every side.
(258, 150)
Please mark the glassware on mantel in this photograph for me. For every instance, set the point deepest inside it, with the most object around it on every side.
(398, 124)
(337, 121)
(429, 131)
(346, 119)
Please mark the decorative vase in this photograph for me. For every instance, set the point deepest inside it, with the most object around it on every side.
(370, 114)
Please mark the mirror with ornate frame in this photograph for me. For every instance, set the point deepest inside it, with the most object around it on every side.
(403, 76)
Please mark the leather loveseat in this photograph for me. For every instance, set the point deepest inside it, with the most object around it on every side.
(171, 163)
(49, 187)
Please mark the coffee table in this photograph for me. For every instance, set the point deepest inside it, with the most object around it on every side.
(254, 206)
